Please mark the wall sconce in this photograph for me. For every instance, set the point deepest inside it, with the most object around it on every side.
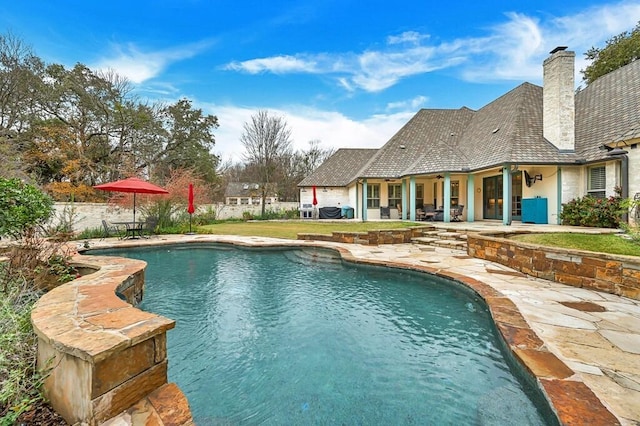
(324, 189)
(530, 180)
(303, 190)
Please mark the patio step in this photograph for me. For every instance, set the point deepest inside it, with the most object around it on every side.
(444, 239)
(451, 244)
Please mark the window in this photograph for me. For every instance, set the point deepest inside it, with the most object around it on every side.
(395, 195)
(419, 196)
(373, 196)
(597, 182)
(455, 192)
(244, 201)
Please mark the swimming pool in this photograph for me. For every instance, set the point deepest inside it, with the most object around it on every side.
(278, 337)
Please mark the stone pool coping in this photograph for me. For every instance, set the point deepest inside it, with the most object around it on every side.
(577, 388)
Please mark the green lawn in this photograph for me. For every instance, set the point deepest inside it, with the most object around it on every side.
(291, 229)
(604, 243)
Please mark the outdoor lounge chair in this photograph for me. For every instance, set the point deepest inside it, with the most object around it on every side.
(110, 230)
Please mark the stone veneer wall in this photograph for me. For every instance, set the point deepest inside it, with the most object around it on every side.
(613, 274)
(371, 238)
(103, 355)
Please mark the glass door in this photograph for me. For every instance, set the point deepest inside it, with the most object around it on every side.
(492, 197)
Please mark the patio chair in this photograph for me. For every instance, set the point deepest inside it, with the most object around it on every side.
(429, 212)
(456, 213)
(149, 226)
(385, 212)
(110, 230)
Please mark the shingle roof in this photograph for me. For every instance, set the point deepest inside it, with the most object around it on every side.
(509, 130)
(411, 150)
(342, 168)
(608, 110)
(242, 189)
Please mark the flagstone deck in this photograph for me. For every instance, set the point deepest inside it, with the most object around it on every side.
(582, 345)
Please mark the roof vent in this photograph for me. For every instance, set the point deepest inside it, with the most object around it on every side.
(245, 186)
(495, 130)
(402, 146)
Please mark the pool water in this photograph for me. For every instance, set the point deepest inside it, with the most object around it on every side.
(280, 338)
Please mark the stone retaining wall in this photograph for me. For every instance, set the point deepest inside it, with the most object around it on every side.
(370, 238)
(103, 355)
(613, 274)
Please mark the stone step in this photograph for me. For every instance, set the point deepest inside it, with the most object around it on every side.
(451, 244)
(423, 240)
(449, 235)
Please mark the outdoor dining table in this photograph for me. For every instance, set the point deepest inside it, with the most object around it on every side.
(133, 230)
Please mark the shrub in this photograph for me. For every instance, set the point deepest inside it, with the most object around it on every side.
(23, 207)
(595, 212)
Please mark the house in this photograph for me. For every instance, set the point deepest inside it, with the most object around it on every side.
(246, 193)
(518, 158)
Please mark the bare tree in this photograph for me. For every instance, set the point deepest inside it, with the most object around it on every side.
(266, 139)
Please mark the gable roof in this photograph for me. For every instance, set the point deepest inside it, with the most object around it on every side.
(608, 110)
(411, 150)
(342, 168)
(509, 130)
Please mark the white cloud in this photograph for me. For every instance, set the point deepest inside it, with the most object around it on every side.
(511, 50)
(407, 37)
(333, 129)
(409, 104)
(138, 66)
(275, 64)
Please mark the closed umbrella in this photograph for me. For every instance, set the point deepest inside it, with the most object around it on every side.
(315, 202)
(134, 185)
(190, 209)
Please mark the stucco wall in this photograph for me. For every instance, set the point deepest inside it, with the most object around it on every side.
(90, 215)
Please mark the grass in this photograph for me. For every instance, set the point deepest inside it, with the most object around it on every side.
(603, 243)
(291, 229)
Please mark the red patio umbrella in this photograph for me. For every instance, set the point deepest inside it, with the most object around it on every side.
(135, 185)
(190, 209)
(315, 198)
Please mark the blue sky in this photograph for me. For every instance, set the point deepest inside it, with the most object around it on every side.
(348, 73)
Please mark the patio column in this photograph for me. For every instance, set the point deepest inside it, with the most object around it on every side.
(404, 199)
(412, 197)
(506, 194)
(364, 200)
(447, 197)
(559, 195)
(471, 197)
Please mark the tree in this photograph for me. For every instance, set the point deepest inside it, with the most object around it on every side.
(266, 140)
(619, 51)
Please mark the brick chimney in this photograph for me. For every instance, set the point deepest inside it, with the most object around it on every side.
(559, 99)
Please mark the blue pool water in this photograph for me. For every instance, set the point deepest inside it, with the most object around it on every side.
(280, 338)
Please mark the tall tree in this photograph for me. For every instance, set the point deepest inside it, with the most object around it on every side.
(619, 51)
(20, 71)
(266, 139)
